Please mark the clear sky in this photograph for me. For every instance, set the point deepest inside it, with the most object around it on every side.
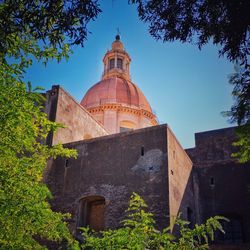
(186, 87)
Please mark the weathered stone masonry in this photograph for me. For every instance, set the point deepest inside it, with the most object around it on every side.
(221, 184)
(115, 166)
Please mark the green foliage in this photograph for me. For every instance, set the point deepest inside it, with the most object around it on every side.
(43, 28)
(29, 30)
(25, 213)
(138, 232)
(240, 111)
(243, 143)
(224, 22)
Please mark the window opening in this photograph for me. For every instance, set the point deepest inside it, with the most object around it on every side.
(119, 63)
(212, 181)
(67, 163)
(142, 150)
(111, 63)
(124, 129)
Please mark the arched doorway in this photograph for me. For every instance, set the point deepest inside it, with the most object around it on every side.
(91, 212)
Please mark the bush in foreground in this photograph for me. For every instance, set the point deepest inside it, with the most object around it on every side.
(138, 232)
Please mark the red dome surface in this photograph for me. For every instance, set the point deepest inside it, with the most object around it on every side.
(115, 90)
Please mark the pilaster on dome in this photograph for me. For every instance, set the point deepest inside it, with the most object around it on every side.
(116, 61)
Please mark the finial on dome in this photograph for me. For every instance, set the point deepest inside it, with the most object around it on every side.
(118, 37)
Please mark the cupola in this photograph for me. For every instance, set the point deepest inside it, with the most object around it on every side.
(115, 101)
(116, 61)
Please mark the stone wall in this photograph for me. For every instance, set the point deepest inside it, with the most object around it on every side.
(113, 167)
(213, 147)
(180, 166)
(224, 190)
(221, 186)
(79, 124)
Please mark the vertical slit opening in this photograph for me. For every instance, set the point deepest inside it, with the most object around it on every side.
(66, 163)
(211, 181)
(142, 150)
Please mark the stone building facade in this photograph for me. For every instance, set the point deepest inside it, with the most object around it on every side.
(121, 149)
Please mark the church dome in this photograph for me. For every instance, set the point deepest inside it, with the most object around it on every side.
(115, 101)
(115, 90)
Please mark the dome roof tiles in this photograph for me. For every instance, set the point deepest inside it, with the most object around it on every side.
(115, 90)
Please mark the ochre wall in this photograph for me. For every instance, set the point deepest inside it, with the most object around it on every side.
(79, 124)
(113, 117)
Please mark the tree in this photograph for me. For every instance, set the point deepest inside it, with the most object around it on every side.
(224, 22)
(240, 111)
(42, 30)
(25, 214)
(138, 232)
(243, 143)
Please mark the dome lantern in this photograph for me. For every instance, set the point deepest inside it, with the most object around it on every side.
(116, 61)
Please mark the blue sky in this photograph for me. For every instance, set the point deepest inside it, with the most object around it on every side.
(186, 87)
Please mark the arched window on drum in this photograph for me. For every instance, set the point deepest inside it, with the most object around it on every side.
(127, 126)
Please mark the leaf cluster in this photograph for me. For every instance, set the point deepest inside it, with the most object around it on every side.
(240, 111)
(40, 30)
(225, 22)
(43, 29)
(138, 232)
(243, 143)
(25, 213)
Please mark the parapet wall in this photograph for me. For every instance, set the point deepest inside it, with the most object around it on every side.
(213, 147)
(78, 122)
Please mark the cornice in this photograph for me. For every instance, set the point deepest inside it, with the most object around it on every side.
(125, 109)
